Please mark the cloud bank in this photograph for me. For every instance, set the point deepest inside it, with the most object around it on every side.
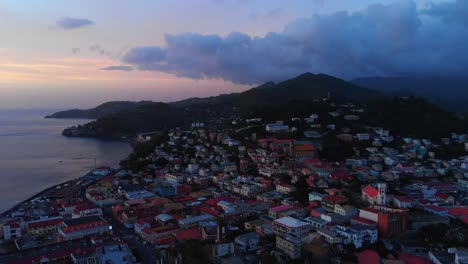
(118, 68)
(73, 23)
(386, 40)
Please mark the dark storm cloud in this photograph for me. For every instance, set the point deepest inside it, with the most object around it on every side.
(73, 23)
(451, 12)
(389, 40)
(118, 68)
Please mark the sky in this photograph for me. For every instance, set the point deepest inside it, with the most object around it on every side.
(78, 54)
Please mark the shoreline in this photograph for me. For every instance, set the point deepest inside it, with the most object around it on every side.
(40, 193)
(9, 209)
(13, 208)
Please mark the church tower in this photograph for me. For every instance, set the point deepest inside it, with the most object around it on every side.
(382, 194)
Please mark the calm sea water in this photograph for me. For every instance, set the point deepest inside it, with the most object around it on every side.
(34, 155)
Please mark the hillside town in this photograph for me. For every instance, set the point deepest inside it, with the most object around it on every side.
(325, 188)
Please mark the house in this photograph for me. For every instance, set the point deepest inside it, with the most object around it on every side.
(437, 210)
(362, 136)
(86, 210)
(114, 253)
(305, 151)
(374, 195)
(194, 221)
(330, 236)
(346, 211)
(315, 196)
(285, 188)
(446, 198)
(277, 127)
(290, 225)
(247, 242)
(330, 201)
(316, 222)
(402, 201)
(84, 226)
(289, 245)
(12, 229)
(43, 226)
(356, 234)
(275, 212)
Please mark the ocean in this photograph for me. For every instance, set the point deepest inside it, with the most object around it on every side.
(34, 155)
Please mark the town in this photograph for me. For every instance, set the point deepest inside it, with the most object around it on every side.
(325, 188)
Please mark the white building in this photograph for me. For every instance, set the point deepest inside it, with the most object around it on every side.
(356, 234)
(277, 127)
(12, 229)
(290, 225)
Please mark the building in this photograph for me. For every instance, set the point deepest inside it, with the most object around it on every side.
(44, 226)
(290, 225)
(402, 202)
(375, 196)
(12, 229)
(390, 222)
(276, 211)
(285, 188)
(84, 226)
(347, 211)
(329, 235)
(115, 253)
(330, 201)
(315, 196)
(277, 127)
(194, 221)
(305, 151)
(289, 245)
(356, 234)
(247, 242)
(86, 210)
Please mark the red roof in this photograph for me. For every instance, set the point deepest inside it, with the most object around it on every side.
(362, 220)
(372, 210)
(403, 198)
(209, 211)
(48, 222)
(281, 208)
(410, 259)
(442, 196)
(86, 207)
(215, 201)
(69, 229)
(465, 219)
(370, 191)
(188, 234)
(458, 211)
(368, 257)
(305, 147)
(337, 199)
(435, 208)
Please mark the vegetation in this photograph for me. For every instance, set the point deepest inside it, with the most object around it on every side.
(135, 162)
(413, 116)
(99, 111)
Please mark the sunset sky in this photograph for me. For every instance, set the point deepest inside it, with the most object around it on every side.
(80, 53)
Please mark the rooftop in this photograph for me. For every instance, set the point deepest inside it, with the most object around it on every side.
(290, 222)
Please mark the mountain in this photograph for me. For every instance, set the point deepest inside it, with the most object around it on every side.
(308, 86)
(450, 94)
(99, 111)
(304, 86)
(295, 94)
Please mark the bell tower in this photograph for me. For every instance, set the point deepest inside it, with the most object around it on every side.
(382, 195)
